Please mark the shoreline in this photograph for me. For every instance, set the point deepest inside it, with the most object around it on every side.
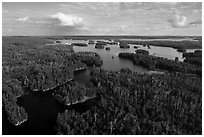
(81, 101)
(46, 90)
(69, 80)
(19, 123)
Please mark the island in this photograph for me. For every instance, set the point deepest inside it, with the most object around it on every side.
(124, 45)
(79, 44)
(99, 46)
(125, 101)
(107, 48)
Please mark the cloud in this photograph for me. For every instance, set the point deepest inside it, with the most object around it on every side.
(124, 27)
(67, 20)
(178, 21)
(44, 21)
(22, 19)
(4, 11)
(181, 22)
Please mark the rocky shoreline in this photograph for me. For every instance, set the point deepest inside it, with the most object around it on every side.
(69, 80)
(46, 90)
(81, 101)
(21, 122)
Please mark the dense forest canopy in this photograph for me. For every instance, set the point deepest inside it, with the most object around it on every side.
(127, 102)
(133, 103)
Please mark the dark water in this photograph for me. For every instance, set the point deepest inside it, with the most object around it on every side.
(82, 76)
(42, 110)
(42, 113)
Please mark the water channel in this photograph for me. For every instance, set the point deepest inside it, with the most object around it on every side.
(42, 109)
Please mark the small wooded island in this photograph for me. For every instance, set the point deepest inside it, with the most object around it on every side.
(127, 103)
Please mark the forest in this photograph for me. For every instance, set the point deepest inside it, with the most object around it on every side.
(181, 46)
(153, 62)
(194, 58)
(128, 103)
(139, 104)
(30, 63)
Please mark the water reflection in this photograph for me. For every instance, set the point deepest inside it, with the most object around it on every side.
(42, 109)
(106, 56)
(111, 60)
(192, 50)
(166, 52)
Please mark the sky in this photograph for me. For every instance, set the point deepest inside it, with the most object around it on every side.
(102, 18)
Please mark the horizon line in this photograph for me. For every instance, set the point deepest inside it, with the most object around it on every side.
(102, 35)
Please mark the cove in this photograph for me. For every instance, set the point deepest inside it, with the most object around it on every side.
(42, 110)
(110, 57)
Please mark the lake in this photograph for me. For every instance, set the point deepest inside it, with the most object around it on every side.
(166, 52)
(111, 61)
(165, 39)
(43, 109)
(117, 63)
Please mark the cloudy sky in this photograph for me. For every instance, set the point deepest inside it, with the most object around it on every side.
(110, 18)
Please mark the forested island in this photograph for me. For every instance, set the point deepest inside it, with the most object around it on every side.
(151, 62)
(128, 102)
(179, 45)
